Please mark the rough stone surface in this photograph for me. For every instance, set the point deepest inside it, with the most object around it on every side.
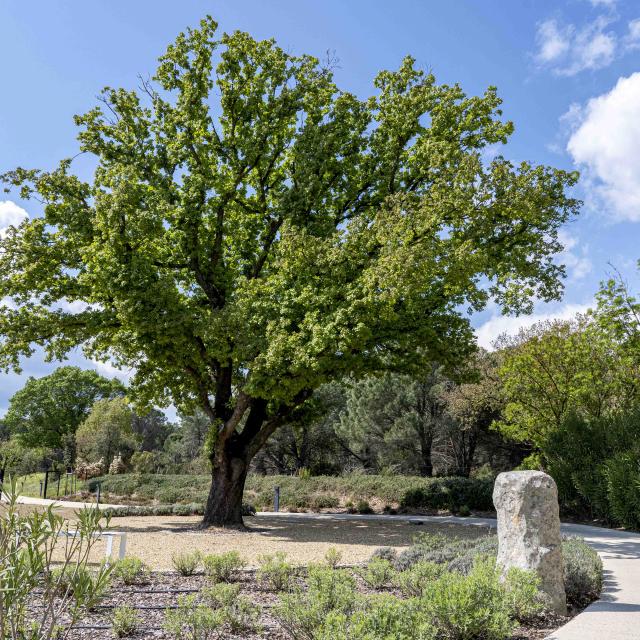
(529, 530)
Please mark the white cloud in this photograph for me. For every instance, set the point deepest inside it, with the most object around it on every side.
(109, 370)
(553, 42)
(10, 215)
(603, 3)
(497, 325)
(575, 257)
(605, 143)
(568, 49)
(632, 39)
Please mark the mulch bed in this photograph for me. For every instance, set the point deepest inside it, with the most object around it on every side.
(164, 588)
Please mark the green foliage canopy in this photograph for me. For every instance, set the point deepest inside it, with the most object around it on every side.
(107, 432)
(290, 229)
(47, 411)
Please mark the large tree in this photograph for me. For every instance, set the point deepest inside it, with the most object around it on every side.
(47, 411)
(251, 231)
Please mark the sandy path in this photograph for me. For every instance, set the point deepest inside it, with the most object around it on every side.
(155, 539)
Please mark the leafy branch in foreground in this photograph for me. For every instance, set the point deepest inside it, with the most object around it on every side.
(45, 585)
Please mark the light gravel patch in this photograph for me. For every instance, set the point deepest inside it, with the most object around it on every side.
(155, 539)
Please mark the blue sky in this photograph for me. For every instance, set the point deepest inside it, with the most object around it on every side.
(569, 74)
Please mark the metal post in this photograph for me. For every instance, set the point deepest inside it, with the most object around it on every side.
(58, 488)
(46, 483)
(41, 488)
(276, 499)
(98, 498)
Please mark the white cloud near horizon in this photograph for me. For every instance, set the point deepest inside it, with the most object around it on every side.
(10, 215)
(568, 49)
(488, 332)
(604, 144)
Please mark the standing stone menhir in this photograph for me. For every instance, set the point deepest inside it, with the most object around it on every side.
(529, 530)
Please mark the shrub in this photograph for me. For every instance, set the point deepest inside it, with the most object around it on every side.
(417, 579)
(186, 563)
(386, 553)
(242, 615)
(71, 579)
(124, 621)
(222, 567)
(131, 570)
(275, 572)
(379, 616)
(28, 542)
(192, 620)
(378, 573)
(451, 494)
(522, 593)
(221, 595)
(363, 507)
(303, 614)
(623, 488)
(582, 572)
(469, 607)
(332, 557)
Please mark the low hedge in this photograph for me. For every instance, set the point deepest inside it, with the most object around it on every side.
(313, 493)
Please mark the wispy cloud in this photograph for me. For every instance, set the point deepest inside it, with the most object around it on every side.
(568, 49)
(575, 257)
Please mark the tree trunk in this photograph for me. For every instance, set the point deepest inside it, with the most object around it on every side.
(224, 504)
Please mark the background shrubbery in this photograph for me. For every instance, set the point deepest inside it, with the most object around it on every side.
(313, 493)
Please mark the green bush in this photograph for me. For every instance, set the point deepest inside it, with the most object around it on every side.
(222, 567)
(315, 492)
(582, 572)
(332, 557)
(242, 616)
(131, 570)
(418, 578)
(221, 595)
(522, 593)
(378, 573)
(125, 621)
(458, 554)
(28, 544)
(192, 620)
(379, 616)
(363, 507)
(303, 614)
(187, 562)
(470, 607)
(72, 579)
(623, 488)
(451, 494)
(275, 572)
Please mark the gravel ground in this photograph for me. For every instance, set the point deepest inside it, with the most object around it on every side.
(154, 539)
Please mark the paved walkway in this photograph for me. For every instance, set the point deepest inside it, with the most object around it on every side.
(616, 616)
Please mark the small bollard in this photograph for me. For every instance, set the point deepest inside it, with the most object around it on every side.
(276, 499)
(41, 488)
(98, 493)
